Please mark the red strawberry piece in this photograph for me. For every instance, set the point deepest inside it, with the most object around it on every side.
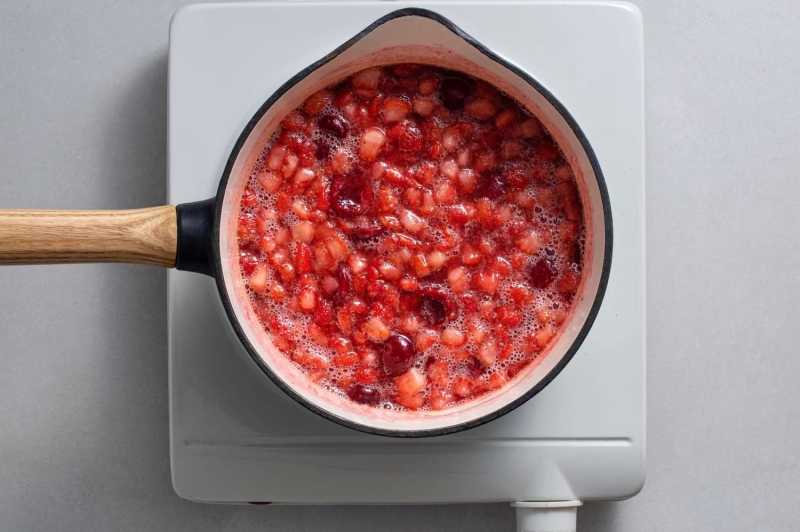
(437, 371)
(469, 303)
(431, 131)
(480, 109)
(318, 101)
(426, 173)
(345, 283)
(520, 295)
(395, 109)
(516, 177)
(367, 375)
(323, 150)
(305, 149)
(344, 95)
(462, 387)
(547, 151)
(491, 185)
(323, 313)
(397, 177)
(383, 309)
(506, 117)
(569, 283)
(387, 84)
(406, 69)
(543, 336)
(249, 197)
(485, 90)
(279, 324)
(512, 149)
(514, 370)
(509, 316)
(486, 135)
(294, 121)
(246, 230)
(484, 160)
(428, 84)
(408, 136)
(305, 259)
(410, 402)
(346, 360)
(368, 231)
(410, 382)
(282, 203)
(248, 261)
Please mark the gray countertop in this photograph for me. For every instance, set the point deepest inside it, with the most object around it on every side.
(83, 391)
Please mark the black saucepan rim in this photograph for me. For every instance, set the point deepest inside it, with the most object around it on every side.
(217, 260)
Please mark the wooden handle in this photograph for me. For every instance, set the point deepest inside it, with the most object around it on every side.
(138, 236)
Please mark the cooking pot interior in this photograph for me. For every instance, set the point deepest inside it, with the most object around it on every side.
(416, 37)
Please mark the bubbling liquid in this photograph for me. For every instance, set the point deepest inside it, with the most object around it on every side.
(416, 203)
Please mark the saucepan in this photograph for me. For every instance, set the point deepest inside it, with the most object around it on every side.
(201, 237)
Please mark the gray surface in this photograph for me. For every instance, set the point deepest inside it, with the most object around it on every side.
(83, 391)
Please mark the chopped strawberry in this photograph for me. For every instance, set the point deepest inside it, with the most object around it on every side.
(410, 382)
(318, 101)
(543, 336)
(249, 197)
(506, 117)
(367, 375)
(440, 399)
(487, 352)
(294, 121)
(282, 203)
(509, 316)
(452, 337)
(367, 79)
(395, 109)
(521, 295)
(423, 106)
(496, 380)
(486, 281)
(376, 105)
(305, 150)
(371, 142)
(276, 292)
(428, 84)
(413, 402)
(408, 136)
(345, 360)
(425, 339)
(323, 313)
(480, 109)
(462, 387)
(547, 151)
(248, 261)
(258, 280)
(569, 283)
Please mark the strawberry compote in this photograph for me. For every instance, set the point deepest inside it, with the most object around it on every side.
(411, 238)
